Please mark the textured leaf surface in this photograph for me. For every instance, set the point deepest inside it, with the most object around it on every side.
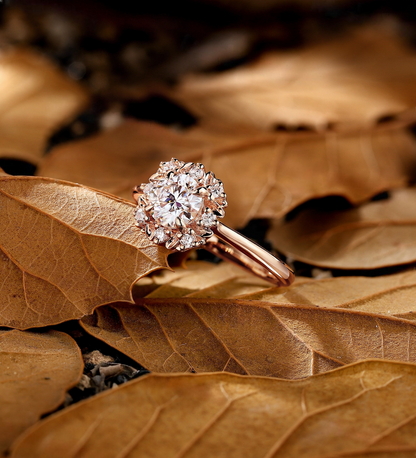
(36, 371)
(36, 99)
(391, 295)
(376, 234)
(119, 157)
(386, 295)
(248, 337)
(65, 249)
(200, 279)
(341, 413)
(359, 78)
(272, 173)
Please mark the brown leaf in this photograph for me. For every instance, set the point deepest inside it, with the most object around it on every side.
(340, 413)
(118, 156)
(36, 371)
(248, 337)
(377, 234)
(356, 79)
(272, 173)
(391, 295)
(65, 249)
(36, 99)
(200, 279)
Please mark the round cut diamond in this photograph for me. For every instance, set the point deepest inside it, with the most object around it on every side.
(208, 219)
(216, 190)
(196, 172)
(161, 235)
(187, 241)
(140, 215)
(175, 199)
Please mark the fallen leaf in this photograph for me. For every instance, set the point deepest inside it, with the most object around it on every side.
(340, 413)
(376, 234)
(358, 78)
(36, 371)
(248, 337)
(272, 173)
(36, 99)
(200, 279)
(390, 295)
(66, 249)
(118, 156)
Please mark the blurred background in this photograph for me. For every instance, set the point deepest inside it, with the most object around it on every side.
(121, 51)
(71, 71)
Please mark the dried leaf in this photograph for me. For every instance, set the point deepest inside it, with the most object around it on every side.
(272, 173)
(377, 234)
(391, 295)
(118, 156)
(36, 99)
(36, 371)
(65, 249)
(355, 79)
(200, 279)
(248, 337)
(340, 413)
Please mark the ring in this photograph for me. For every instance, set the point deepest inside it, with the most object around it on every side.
(179, 208)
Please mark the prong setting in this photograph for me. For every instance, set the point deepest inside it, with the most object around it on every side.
(180, 205)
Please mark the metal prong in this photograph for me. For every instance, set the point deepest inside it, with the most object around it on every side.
(203, 191)
(136, 193)
(179, 222)
(172, 243)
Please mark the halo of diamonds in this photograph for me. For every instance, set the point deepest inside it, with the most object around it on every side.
(180, 205)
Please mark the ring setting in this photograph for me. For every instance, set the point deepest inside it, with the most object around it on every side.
(180, 205)
(180, 208)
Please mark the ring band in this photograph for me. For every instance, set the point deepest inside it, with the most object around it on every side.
(179, 207)
(232, 246)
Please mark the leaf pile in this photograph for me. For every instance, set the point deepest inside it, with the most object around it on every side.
(206, 415)
(317, 141)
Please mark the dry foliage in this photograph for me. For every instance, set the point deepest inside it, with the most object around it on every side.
(36, 99)
(356, 79)
(344, 111)
(340, 413)
(62, 256)
(390, 295)
(200, 279)
(36, 371)
(248, 337)
(376, 234)
(282, 170)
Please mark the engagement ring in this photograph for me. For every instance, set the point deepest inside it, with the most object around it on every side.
(180, 208)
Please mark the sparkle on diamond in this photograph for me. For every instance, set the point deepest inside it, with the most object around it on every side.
(174, 198)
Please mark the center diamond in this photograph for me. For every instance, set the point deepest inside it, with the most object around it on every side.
(175, 198)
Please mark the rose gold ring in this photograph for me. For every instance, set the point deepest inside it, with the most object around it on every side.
(179, 207)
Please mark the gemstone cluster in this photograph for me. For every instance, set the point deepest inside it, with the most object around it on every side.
(180, 205)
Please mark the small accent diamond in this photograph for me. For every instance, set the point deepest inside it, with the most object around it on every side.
(140, 215)
(161, 235)
(208, 219)
(187, 241)
(196, 172)
(216, 190)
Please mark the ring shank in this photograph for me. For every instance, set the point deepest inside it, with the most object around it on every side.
(232, 246)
